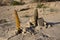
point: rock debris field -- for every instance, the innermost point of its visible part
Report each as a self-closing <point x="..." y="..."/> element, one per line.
<point x="51" y="14"/>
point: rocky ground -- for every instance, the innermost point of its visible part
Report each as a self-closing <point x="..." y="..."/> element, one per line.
<point x="51" y="14"/>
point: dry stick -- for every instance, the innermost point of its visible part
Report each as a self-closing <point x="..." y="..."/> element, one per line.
<point x="17" y="22"/>
<point x="17" y="25"/>
<point x="36" y="17"/>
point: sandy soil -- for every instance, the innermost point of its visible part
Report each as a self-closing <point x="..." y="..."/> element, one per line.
<point x="7" y="29"/>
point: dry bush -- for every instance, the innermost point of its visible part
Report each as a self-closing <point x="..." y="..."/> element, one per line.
<point x="41" y="6"/>
<point x="17" y="3"/>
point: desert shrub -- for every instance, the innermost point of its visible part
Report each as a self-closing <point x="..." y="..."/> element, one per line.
<point x="41" y="6"/>
<point x="17" y="3"/>
<point x="26" y="15"/>
<point x="44" y="0"/>
<point x="3" y="21"/>
<point x="36" y="0"/>
<point x="52" y="10"/>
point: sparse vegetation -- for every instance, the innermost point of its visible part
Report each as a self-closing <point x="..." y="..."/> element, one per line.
<point x="41" y="6"/>
<point x="3" y="21"/>
<point x="35" y="0"/>
<point x="17" y="3"/>
<point x="52" y="10"/>
<point x="26" y="15"/>
<point x="38" y="0"/>
<point x="35" y="21"/>
<point x="44" y="0"/>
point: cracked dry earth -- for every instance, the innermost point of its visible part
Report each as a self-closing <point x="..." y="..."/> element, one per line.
<point x="8" y="27"/>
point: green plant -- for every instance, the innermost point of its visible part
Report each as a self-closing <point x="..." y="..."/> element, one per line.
<point x="44" y="7"/>
<point x="36" y="0"/>
<point x="26" y="15"/>
<point x="17" y="3"/>
<point x="3" y="21"/>
<point x="52" y="10"/>
<point x="41" y="6"/>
